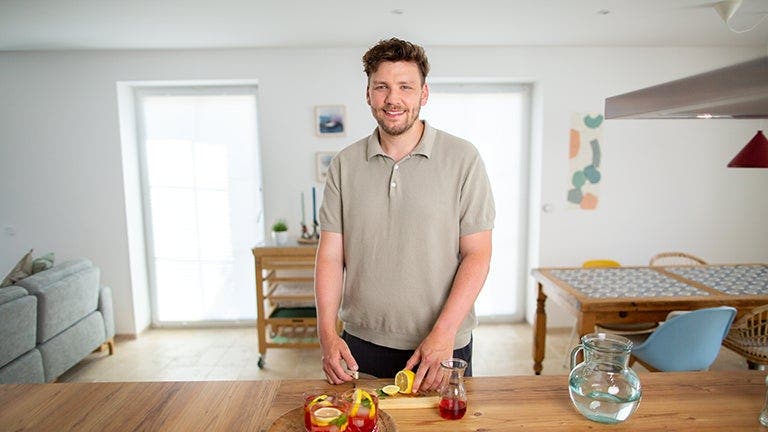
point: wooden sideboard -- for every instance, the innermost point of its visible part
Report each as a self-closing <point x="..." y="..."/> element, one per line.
<point x="285" y="312"/>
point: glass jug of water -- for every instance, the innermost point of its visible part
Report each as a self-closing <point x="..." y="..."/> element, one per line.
<point x="603" y="387"/>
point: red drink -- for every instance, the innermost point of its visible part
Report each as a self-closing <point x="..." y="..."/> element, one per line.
<point x="361" y="424"/>
<point x="452" y="409"/>
<point x="362" y="407"/>
<point x="310" y="400"/>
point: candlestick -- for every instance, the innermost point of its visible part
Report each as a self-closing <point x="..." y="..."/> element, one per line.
<point x="314" y="207"/>
<point x="303" y="221"/>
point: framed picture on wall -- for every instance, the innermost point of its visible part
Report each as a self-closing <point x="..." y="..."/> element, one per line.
<point x="322" y="162"/>
<point x="330" y="120"/>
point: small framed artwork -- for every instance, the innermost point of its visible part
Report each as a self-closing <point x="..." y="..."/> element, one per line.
<point x="322" y="162"/>
<point x="330" y="120"/>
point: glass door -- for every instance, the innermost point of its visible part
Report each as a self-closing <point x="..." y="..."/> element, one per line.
<point x="202" y="201"/>
<point x="495" y="118"/>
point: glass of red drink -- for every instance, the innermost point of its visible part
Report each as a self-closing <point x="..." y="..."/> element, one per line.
<point x="312" y="398"/>
<point x="362" y="407"/>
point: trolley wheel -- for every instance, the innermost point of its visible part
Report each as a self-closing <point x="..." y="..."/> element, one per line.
<point x="261" y="362"/>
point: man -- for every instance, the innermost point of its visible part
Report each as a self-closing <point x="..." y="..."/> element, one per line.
<point x="406" y="226"/>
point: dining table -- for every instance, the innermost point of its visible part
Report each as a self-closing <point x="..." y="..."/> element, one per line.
<point x="636" y="294"/>
<point x="701" y="401"/>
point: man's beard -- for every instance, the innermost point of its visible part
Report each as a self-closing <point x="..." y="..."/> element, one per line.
<point x="398" y="129"/>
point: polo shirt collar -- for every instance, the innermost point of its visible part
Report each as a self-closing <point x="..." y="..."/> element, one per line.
<point x="424" y="147"/>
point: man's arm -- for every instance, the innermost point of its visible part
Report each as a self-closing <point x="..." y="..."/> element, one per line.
<point x="475" y="250"/>
<point x="329" y="275"/>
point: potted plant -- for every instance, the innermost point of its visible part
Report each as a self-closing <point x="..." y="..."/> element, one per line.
<point x="280" y="232"/>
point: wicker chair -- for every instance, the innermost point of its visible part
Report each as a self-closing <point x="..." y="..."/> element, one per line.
<point x="748" y="337"/>
<point x="675" y="258"/>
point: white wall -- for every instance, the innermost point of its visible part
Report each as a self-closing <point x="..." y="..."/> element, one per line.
<point x="665" y="184"/>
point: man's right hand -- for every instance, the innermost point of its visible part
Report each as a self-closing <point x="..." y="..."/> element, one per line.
<point x="334" y="351"/>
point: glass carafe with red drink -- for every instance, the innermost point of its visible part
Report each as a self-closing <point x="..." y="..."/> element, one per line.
<point x="453" y="397"/>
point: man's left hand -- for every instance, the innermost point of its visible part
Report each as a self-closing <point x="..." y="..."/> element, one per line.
<point x="433" y="349"/>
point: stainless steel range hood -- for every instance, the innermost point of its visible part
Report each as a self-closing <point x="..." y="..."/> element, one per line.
<point x="738" y="92"/>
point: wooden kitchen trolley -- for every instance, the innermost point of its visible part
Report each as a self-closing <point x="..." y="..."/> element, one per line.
<point x="285" y="303"/>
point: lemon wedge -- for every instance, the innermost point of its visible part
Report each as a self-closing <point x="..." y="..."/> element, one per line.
<point x="404" y="380"/>
<point x="325" y="415"/>
<point x="357" y="399"/>
<point x="390" y="389"/>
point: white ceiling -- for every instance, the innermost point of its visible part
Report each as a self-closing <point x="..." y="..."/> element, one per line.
<point x="156" y="24"/>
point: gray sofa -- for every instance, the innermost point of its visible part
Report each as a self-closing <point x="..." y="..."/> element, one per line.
<point x="52" y="320"/>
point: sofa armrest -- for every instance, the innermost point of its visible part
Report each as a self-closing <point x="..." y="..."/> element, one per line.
<point x="11" y="293"/>
<point x="107" y="311"/>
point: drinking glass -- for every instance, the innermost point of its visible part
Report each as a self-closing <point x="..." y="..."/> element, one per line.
<point x="328" y="416"/>
<point x="362" y="406"/>
<point x="313" y="397"/>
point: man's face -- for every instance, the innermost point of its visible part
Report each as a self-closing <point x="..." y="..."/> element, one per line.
<point x="396" y="95"/>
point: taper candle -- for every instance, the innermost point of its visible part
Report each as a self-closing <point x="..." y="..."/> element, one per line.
<point x="303" y="221"/>
<point x="314" y="207"/>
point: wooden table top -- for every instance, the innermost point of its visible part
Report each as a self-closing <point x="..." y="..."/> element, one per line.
<point x="722" y="400"/>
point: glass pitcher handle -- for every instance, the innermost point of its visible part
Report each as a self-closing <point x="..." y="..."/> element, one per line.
<point x="574" y="353"/>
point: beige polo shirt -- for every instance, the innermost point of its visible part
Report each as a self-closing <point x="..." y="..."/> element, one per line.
<point x="401" y="223"/>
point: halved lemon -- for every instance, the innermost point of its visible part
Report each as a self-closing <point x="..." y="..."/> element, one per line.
<point x="404" y="380"/>
<point x="390" y="389"/>
<point x="325" y="415"/>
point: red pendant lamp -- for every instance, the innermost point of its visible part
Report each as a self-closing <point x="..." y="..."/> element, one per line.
<point x="753" y="155"/>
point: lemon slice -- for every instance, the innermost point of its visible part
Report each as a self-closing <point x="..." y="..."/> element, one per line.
<point x="404" y="380"/>
<point x="390" y="389"/>
<point x="371" y="405"/>
<point x="357" y="399"/>
<point x="325" y="415"/>
<point x="322" y="400"/>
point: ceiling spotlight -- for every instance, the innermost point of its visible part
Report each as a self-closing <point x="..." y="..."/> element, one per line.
<point x="603" y="12"/>
<point x="397" y="11"/>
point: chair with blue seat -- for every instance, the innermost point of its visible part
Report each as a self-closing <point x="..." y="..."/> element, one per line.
<point x="685" y="342"/>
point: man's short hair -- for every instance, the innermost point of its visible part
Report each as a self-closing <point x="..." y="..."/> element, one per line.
<point x="395" y="50"/>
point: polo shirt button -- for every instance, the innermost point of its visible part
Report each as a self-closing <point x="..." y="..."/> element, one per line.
<point x="397" y="166"/>
<point x="393" y="184"/>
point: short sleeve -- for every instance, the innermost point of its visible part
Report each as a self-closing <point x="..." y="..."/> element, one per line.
<point x="330" y="210"/>
<point x="478" y="210"/>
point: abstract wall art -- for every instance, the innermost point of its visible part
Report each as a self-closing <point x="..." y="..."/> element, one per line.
<point x="585" y="153"/>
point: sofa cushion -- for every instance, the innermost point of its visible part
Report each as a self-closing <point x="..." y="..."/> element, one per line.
<point x="65" y="294"/>
<point x="45" y="278"/>
<point x="25" y="369"/>
<point x="20" y="271"/>
<point x="18" y="319"/>
<point x="72" y="345"/>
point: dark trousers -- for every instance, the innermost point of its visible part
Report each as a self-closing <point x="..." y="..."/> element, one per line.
<point x="385" y="362"/>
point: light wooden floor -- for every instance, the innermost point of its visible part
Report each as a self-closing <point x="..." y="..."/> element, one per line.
<point x="231" y="354"/>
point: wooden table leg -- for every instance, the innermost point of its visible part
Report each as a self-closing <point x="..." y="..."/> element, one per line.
<point x="539" y="331"/>
<point x="586" y="323"/>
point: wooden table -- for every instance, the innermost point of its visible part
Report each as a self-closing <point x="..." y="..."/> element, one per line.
<point x="642" y="294"/>
<point x="671" y="401"/>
